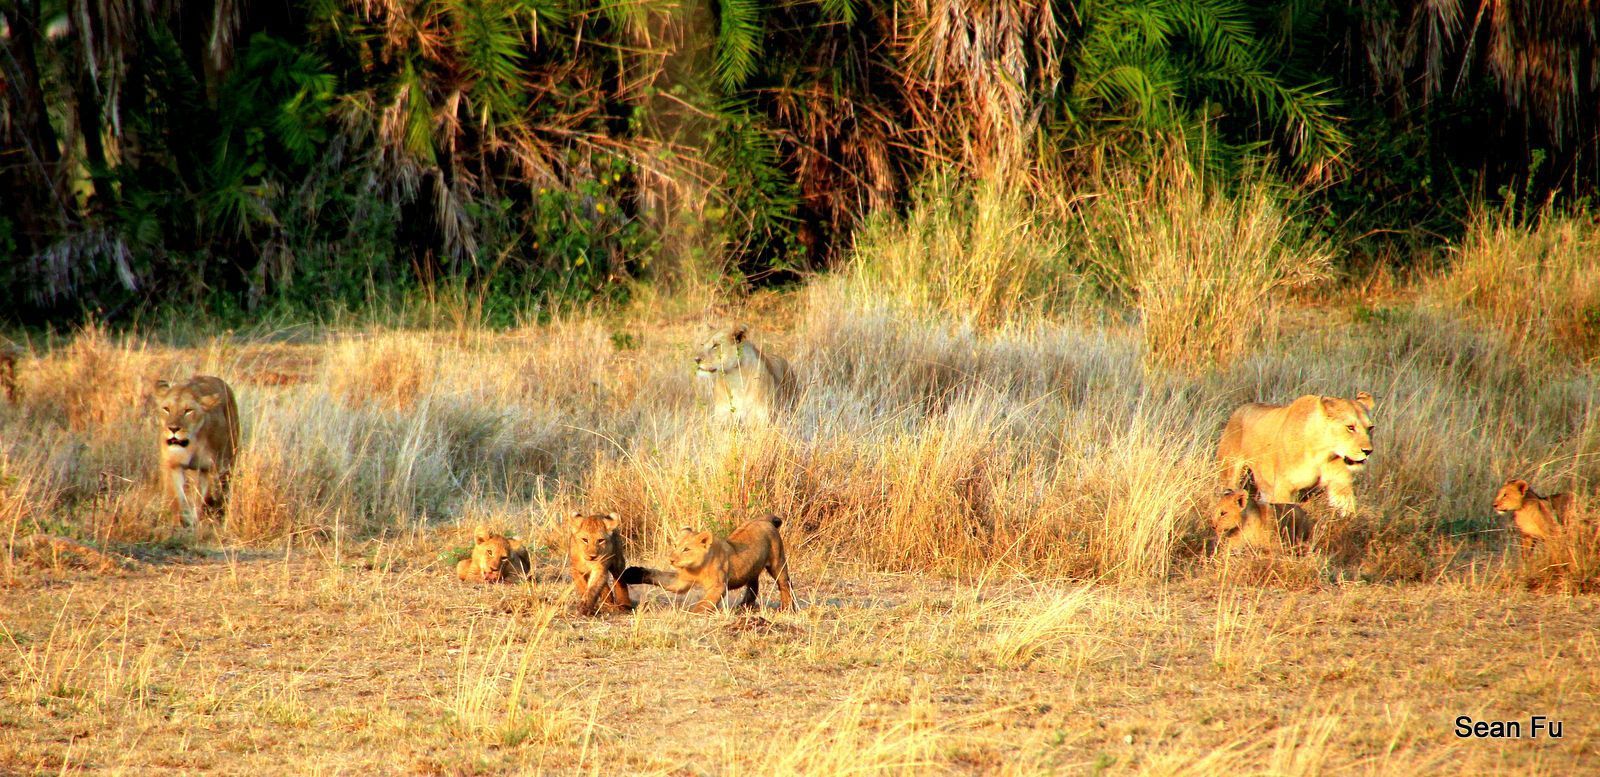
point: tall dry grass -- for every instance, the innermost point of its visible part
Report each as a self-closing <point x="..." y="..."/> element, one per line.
<point x="924" y="441"/>
<point x="1536" y="279"/>
<point x="1206" y="267"/>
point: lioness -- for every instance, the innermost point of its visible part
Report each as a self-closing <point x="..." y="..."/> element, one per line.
<point x="1241" y="522"/>
<point x="200" y="434"/>
<point x="746" y="384"/>
<point x="495" y="558"/>
<point x="1289" y="449"/>
<point x="718" y="566"/>
<point x="1537" y="518"/>
<point x="595" y="550"/>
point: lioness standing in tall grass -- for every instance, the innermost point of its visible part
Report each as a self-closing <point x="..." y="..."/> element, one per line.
<point x="200" y="435"/>
<point x="1289" y="449"/>
<point x="746" y="384"/>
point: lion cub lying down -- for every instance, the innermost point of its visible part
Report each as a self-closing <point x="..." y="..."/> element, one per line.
<point x="594" y="549"/>
<point x="1537" y="518"/>
<point x="1241" y="522"/>
<point x="720" y="565"/>
<point x="495" y="559"/>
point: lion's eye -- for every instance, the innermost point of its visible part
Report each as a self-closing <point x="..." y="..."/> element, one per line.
<point x="166" y="409"/>
<point x="1351" y="427"/>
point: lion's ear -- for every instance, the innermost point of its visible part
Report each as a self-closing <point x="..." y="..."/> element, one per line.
<point x="480" y="534"/>
<point x="612" y="522"/>
<point x="209" y="402"/>
<point x="1364" y="399"/>
<point x="704" y="539"/>
<point x="1520" y="485"/>
<point x="739" y="332"/>
<point x="160" y="388"/>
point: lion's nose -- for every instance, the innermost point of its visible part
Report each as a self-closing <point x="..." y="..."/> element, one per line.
<point x="697" y="359"/>
<point x="174" y="429"/>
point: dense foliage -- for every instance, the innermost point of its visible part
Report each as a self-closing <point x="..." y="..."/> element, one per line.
<point x="329" y="150"/>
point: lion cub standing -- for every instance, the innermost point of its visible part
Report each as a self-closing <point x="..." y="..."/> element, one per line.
<point x="200" y="434"/>
<point x="746" y="384"/>
<point x="1537" y="518"/>
<point x="720" y="565"/>
<point x="1288" y="449"/>
<point x="594" y="549"/>
<point x="495" y="558"/>
<point x="1241" y="522"/>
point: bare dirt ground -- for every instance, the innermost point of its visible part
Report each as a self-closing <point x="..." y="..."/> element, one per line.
<point x="374" y="659"/>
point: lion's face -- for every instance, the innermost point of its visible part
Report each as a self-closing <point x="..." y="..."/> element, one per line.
<point x="593" y="537"/>
<point x="182" y="413"/>
<point x="1511" y="496"/>
<point x="491" y="555"/>
<point x="721" y="353"/>
<point x="1349" y="429"/>
<point x="1229" y="515"/>
<point x="691" y="549"/>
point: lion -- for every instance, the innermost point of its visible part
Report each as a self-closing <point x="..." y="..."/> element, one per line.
<point x="596" y="553"/>
<point x="1241" y="522"/>
<point x="1537" y="518"/>
<point x="495" y="559"/>
<point x="721" y="565"/>
<point x="1290" y="449"/>
<point x="200" y="428"/>
<point x="746" y="384"/>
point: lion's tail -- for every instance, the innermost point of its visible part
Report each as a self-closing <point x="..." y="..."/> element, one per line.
<point x="645" y="576"/>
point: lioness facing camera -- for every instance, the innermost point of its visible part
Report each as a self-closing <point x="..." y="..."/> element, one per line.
<point x="199" y="437"/>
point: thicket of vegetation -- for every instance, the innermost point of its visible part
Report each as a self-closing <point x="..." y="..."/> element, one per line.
<point x="325" y="151"/>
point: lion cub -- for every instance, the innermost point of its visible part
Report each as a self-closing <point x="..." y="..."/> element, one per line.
<point x="199" y="436"/>
<point x="1537" y="518"/>
<point x="746" y="384"/>
<point x="1241" y="522"/>
<point x="595" y="550"/>
<point x="721" y="565"/>
<point x="495" y="559"/>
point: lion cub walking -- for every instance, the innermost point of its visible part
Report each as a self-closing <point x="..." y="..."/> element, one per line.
<point x="1537" y="518"/>
<point x="200" y="434"/>
<point x="720" y="565"/>
<point x="495" y="558"/>
<point x="1241" y="522"/>
<point x="746" y="384"/>
<point x="595" y="551"/>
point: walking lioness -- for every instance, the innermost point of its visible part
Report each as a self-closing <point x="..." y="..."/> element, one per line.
<point x="199" y="436"/>
<point x="1289" y="449"/>
<point x="746" y="384"/>
<point x="720" y="565"/>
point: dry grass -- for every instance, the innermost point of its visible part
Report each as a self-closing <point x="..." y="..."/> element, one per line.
<point x="996" y="530"/>
<point x="1535" y="280"/>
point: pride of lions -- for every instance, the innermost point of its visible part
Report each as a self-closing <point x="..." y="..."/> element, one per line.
<point x="1271" y="458"/>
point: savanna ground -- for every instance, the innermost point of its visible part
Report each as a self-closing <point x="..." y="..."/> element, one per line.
<point x="996" y="525"/>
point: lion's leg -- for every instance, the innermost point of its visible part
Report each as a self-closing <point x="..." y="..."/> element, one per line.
<point x="186" y="509"/>
<point x="619" y="596"/>
<point x="594" y="586"/>
<point x="713" y="597"/>
<point x="752" y="594"/>
<point x="780" y="572"/>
